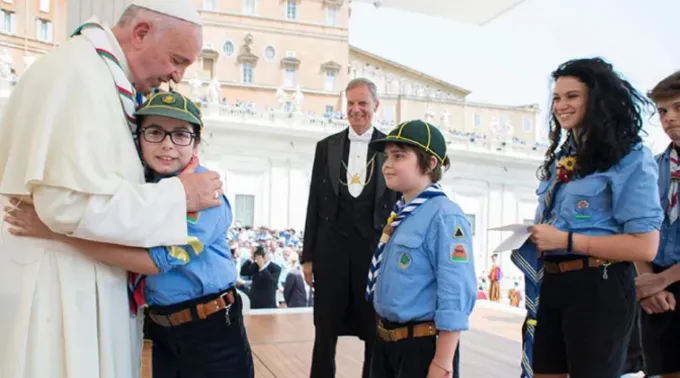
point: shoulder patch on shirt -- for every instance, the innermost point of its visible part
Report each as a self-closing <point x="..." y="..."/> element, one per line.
<point x="458" y="253"/>
<point x="404" y="260"/>
<point x="458" y="233"/>
<point x="192" y="218"/>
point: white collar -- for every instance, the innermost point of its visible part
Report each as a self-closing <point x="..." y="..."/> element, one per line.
<point x="365" y="137"/>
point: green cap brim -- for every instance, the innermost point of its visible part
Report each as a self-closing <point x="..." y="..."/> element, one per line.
<point x="169" y="112"/>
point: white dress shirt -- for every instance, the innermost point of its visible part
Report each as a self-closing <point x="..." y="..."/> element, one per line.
<point x="356" y="161"/>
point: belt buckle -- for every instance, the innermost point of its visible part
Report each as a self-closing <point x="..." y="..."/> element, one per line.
<point x="161" y="320"/>
<point x="385" y="334"/>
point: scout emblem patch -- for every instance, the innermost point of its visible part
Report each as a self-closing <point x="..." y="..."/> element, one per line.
<point x="581" y="207"/>
<point x="458" y="233"/>
<point x="169" y="99"/>
<point x="192" y="218"/>
<point x="459" y="254"/>
<point x="404" y="261"/>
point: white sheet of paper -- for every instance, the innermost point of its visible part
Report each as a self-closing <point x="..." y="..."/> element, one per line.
<point x="520" y="234"/>
<point x="511" y="227"/>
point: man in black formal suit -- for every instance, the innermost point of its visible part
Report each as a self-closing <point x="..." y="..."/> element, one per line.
<point x="265" y="279"/>
<point x="347" y="209"/>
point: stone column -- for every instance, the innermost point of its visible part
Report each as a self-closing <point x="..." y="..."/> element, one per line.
<point x="108" y="11"/>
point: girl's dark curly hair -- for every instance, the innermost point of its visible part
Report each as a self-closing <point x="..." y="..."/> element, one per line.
<point x="612" y="122"/>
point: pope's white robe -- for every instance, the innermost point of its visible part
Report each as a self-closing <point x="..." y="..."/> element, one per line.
<point x="64" y="139"/>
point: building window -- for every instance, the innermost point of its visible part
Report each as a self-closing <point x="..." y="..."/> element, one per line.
<point x="9" y="22"/>
<point x="289" y="77"/>
<point x="329" y="85"/>
<point x="527" y="124"/>
<point x="504" y="121"/>
<point x="208" y="68"/>
<point x="291" y="10"/>
<point x="209" y="5"/>
<point x="331" y="16"/>
<point x="269" y="53"/>
<point x="45" y="6"/>
<point x="472" y="219"/>
<point x="249" y="7"/>
<point x="43" y="30"/>
<point x="244" y="209"/>
<point x="478" y="121"/>
<point x="247" y="73"/>
<point x="228" y="48"/>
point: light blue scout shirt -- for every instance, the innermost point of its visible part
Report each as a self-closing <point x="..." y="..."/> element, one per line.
<point x="622" y="200"/>
<point x="427" y="271"/>
<point x="669" y="249"/>
<point x="203" y="266"/>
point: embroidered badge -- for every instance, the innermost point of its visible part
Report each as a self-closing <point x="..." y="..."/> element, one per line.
<point x="582" y="204"/>
<point x="404" y="261"/>
<point x="192" y="218"/>
<point x="459" y="254"/>
<point x="458" y="233"/>
<point x="169" y="99"/>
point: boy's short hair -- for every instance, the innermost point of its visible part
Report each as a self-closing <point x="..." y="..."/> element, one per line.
<point x="424" y="162"/>
<point x="425" y="140"/>
<point x="666" y="89"/>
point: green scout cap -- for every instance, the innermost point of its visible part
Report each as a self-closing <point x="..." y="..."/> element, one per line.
<point x="172" y="105"/>
<point x="416" y="133"/>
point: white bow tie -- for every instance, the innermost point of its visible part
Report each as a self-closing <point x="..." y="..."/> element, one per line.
<point x="366" y="137"/>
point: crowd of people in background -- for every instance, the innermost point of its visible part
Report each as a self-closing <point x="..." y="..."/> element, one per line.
<point x="268" y="263"/>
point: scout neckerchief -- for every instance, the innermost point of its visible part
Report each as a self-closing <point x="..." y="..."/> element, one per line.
<point x="400" y="212"/>
<point x="672" y="208"/>
<point x="94" y="32"/>
<point x="531" y="266"/>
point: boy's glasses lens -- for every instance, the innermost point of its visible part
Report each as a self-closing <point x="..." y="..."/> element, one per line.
<point x="158" y="135"/>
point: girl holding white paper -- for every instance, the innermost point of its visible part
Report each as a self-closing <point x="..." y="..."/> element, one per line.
<point x="598" y="210"/>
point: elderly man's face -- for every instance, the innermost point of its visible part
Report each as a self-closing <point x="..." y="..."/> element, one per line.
<point x="360" y="108"/>
<point x="162" y="55"/>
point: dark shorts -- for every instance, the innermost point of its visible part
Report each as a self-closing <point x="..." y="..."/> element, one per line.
<point x="407" y="358"/>
<point x="216" y="346"/>
<point x="585" y="322"/>
<point x="661" y="338"/>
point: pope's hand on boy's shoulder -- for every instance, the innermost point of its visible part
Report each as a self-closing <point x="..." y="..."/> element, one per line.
<point x="203" y="190"/>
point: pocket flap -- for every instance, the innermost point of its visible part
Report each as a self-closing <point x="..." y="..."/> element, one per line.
<point x="409" y="241"/>
<point x="588" y="187"/>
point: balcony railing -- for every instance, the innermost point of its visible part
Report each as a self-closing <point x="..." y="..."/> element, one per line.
<point x="244" y="115"/>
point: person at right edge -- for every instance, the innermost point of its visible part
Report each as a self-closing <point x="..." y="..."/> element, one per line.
<point x="422" y="280"/>
<point x="658" y="285"/>
<point x="598" y="211"/>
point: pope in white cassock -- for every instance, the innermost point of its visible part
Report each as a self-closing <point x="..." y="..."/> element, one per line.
<point x="66" y="144"/>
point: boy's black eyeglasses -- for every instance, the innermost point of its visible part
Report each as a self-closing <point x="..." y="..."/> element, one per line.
<point x="155" y="134"/>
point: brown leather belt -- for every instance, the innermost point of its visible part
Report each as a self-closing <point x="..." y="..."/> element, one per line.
<point x="397" y="334"/>
<point x="203" y="310"/>
<point x="573" y="265"/>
